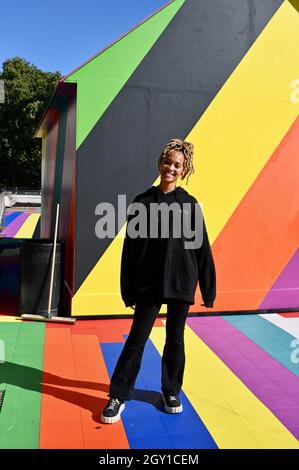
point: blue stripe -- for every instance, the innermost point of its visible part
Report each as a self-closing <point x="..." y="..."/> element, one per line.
<point x="274" y="340"/>
<point x="8" y="219"/>
<point x="146" y="423"/>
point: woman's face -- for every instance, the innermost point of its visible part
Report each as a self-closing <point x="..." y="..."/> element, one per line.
<point x="172" y="166"/>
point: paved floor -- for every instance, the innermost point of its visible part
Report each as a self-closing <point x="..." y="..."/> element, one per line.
<point x="240" y="389"/>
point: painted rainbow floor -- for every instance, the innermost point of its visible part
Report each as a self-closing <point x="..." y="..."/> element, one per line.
<point x="240" y="389"/>
<point x="20" y="223"/>
<point x="241" y="386"/>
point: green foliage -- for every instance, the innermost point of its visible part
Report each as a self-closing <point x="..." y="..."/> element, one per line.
<point x="27" y="93"/>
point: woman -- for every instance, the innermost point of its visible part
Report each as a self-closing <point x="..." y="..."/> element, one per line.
<point x="157" y="270"/>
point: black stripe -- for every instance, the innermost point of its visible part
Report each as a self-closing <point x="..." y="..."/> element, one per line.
<point x="164" y="98"/>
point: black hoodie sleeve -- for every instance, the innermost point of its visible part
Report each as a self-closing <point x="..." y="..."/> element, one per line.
<point x="128" y="267"/>
<point x="206" y="269"/>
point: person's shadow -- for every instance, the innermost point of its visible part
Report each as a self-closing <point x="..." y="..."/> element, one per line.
<point x="37" y="380"/>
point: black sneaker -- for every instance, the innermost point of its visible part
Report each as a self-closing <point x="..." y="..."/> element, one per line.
<point x="112" y="411"/>
<point x="172" y="403"/>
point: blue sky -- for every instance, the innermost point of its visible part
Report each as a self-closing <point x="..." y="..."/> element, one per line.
<point x="62" y="34"/>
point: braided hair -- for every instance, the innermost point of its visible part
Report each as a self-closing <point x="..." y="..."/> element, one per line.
<point x="187" y="148"/>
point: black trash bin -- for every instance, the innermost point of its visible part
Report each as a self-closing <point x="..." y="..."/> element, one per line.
<point x="35" y="277"/>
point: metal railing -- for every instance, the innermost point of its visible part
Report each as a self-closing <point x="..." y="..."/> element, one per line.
<point x="18" y="197"/>
<point x="20" y="190"/>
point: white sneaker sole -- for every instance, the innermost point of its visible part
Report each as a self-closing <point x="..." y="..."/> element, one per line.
<point x="171" y="409"/>
<point x="113" y="419"/>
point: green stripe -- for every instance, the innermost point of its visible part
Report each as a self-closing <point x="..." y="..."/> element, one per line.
<point x="99" y="81"/>
<point x="21" y="377"/>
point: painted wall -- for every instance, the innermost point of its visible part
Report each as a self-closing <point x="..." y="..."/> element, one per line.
<point x="222" y="75"/>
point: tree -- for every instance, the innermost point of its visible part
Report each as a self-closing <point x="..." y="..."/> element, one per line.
<point x="27" y="93"/>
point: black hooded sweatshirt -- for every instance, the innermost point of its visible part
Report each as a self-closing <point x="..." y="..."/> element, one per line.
<point x="162" y="268"/>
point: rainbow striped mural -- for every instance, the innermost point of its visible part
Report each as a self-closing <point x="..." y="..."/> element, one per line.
<point x="223" y="75"/>
<point x="240" y="386"/>
<point x="240" y="390"/>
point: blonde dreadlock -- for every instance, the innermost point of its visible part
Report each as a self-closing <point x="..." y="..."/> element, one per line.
<point x="187" y="148"/>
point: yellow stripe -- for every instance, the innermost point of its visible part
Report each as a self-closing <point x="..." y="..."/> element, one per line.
<point x="231" y="412"/>
<point x="103" y="298"/>
<point x="247" y="119"/>
<point x="6" y="318"/>
<point x="28" y="227"/>
<point x="233" y="140"/>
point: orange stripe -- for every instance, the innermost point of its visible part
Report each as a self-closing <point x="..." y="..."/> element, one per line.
<point x="60" y="424"/>
<point x="107" y="331"/>
<point x="91" y="373"/>
<point x="262" y="234"/>
<point x="75" y="387"/>
<point x="104" y="329"/>
<point x="290" y="315"/>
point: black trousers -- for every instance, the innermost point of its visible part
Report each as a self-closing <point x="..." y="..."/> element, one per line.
<point x="173" y="359"/>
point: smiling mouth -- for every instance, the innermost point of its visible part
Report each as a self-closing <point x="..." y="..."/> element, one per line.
<point x="169" y="174"/>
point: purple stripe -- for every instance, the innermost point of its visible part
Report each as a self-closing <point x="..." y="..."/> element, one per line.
<point x="285" y="290"/>
<point x="254" y="367"/>
<point x="15" y="226"/>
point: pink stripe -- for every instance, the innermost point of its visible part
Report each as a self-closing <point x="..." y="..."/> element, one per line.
<point x="254" y="367"/>
<point x="285" y="290"/>
<point x="13" y="228"/>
